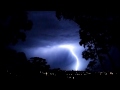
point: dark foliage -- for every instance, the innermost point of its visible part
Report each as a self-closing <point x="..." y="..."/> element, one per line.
<point x="12" y="26"/>
<point x="99" y="31"/>
<point x="15" y="65"/>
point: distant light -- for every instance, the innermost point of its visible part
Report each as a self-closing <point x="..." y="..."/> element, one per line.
<point x="105" y="73"/>
<point x="111" y="73"/>
<point x="46" y="73"/>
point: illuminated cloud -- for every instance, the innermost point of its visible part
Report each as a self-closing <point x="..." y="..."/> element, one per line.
<point x="45" y="37"/>
<point x="71" y="48"/>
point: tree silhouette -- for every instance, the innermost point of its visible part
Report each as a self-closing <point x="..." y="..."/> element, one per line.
<point x="93" y="66"/>
<point x="12" y="26"/>
<point x="39" y="64"/>
<point x="56" y="69"/>
<point x="14" y="64"/>
<point x="96" y="33"/>
<point x="17" y="66"/>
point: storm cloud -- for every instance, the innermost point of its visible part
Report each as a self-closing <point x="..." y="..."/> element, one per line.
<point x="48" y="32"/>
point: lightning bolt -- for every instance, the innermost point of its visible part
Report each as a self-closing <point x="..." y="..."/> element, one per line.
<point x="71" y="50"/>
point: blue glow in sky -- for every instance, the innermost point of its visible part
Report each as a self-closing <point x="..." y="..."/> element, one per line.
<point x="47" y="34"/>
<point x="71" y="49"/>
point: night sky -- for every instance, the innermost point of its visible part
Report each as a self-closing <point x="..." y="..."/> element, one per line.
<point x="46" y="37"/>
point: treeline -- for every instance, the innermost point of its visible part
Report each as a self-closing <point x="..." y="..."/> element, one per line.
<point x="99" y="35"/>
<point x="15" y="65"/>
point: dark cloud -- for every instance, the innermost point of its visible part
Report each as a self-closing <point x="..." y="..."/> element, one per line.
<point x="48" y="31"/>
